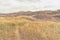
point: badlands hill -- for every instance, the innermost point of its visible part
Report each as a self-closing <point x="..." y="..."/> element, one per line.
<point x="37" y="15"/>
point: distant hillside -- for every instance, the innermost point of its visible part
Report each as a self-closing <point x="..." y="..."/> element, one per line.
<point x="38" y="15"/>
<point x="30" y="13"/>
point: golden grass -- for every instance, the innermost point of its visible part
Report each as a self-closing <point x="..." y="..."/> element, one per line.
<point x="19" y="28"/>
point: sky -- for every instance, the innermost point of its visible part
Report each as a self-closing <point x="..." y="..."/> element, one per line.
<point x="7" y="6"/>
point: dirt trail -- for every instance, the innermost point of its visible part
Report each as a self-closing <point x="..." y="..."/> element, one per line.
<point x="17" y="33"/>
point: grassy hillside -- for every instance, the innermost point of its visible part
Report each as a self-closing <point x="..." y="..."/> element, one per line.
<point x="28" y="28"/>
<point x="40" y="25"/>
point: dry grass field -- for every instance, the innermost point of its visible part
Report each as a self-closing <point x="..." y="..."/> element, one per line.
<point x="36" y="26"/>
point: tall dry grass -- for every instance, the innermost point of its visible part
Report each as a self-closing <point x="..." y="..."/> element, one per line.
<point x="21" y="29"/>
